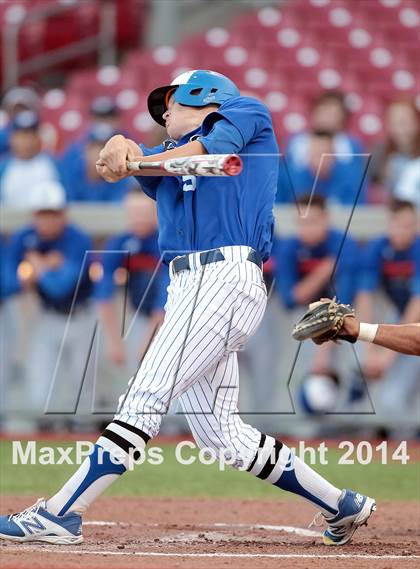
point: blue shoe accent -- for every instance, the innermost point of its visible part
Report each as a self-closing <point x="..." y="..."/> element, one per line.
<point x="8" y="527"/>
<point x="289" y="482"/>
<point x="354" y="510"/>
<point x="37" y="524"/>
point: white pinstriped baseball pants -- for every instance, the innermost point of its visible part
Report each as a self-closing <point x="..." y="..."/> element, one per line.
<point x="211" y="312"/>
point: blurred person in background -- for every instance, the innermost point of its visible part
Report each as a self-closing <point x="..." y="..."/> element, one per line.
<point x="26" y="164"/>
<point x="324" y="159"/>
<point x="263" y="358"/>
<point x="7" y="331"/>
<point x="103" y="110"/>
<point x="48" y="258"/>
<point x="408" y="186"/>
<point x="391" y="265"/>
<point x="318" y="261"/>
<point x="81" y="180"/>
<point x="396" y="161"/>
<point x="132" y="260"/>
<point x="305" y="262"/>
<point x="14" y="101"/>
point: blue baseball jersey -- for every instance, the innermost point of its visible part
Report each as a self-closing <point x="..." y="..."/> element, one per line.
<point x="140" y="257"/>
<point x="294" y="260"/>
<point x="7" y="282"/>
<point x="56" y="287"/>
<point x="395" y="272"/>
<point x="4" y="138"/>
<point x="201" y="213"/>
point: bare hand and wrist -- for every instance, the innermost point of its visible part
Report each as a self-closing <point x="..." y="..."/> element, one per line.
<point x="112" y="163"/>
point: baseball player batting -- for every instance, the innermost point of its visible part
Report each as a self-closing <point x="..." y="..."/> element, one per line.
<point x="214" y="232"/>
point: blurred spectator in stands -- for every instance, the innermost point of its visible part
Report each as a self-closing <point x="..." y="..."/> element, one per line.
<point x="130" y="260"/>
<point x="81" y="180"/>
<point x="306" y="263"/>
<point x="395" y="162"/>
<point x="26" y="164"/>
<point x="102" y="110"/>
<point x="408" y="186"/>
<point x="16" y="100"/>
<point x="7" y="288"/>
<point x="259" y="363"/>
<point x="318" y="261"/>
<point x="48" y="258"/>
<point x="7" y="281"/>
<point x="391" y="265"/>
<point x="324" y="159"/>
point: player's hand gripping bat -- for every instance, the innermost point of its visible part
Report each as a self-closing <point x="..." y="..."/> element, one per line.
<point x="201" y="165"/>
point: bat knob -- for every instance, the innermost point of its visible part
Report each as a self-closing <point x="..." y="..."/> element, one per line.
<point x="232" y="166"/>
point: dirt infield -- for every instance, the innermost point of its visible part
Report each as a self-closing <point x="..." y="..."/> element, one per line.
<point x="200" y="533"/>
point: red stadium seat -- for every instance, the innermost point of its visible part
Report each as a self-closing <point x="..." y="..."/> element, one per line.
<point x="367" y="121"/>
<point x="66" y="116"/>
<point x="285" y="55"/>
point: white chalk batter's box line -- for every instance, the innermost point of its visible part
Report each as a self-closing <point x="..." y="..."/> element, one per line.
<point x="220" y="525"/>
<point x="102" y="553"/>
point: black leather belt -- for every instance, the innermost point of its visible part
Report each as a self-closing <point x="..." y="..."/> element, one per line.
<point x="212" y="256"/>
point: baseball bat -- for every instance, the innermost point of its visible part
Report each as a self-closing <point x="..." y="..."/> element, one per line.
<point x="201" y="165"/>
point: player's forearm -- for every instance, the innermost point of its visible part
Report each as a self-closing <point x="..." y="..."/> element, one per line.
<point x="403" y="338"/>
<point x="113" y="158"/>
<point x="400" y="338"/>
<point x="109" y="320"/>
<point x="193" y="148"/>
<point x="310" y="287"/>
<point x="154" y="323"/>
<point x="363" y="305"/>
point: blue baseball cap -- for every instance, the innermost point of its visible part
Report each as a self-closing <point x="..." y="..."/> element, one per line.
<point x="101" y="132"/>
<point x="25" y="120"/>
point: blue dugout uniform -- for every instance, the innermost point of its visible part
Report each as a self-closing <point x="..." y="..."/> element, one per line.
<point x="342" y="184"/>
<point x="56" y="287"/>
<point x="395" y="272"/>
<point x="4" y="138"/>
<point x="294" y="261"/>
<point x="140" y="257"/>
<point x="201" y="213"/>
<point x="79" y="188"/>
<point x="7" y="282"/>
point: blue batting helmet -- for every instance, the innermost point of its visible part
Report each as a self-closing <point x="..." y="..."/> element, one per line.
<point x="196" y="88"/>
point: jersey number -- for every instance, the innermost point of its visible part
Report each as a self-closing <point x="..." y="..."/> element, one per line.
<point x="190" y="183"/>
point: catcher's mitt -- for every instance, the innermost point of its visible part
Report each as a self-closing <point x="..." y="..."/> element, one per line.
<point x="323" y="322"/>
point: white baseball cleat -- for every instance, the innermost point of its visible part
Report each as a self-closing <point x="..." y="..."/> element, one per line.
<point x="354" y="510"/>
<point x="37" y="524"/>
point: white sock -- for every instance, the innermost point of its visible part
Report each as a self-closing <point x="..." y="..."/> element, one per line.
<point x="109" y="459"/>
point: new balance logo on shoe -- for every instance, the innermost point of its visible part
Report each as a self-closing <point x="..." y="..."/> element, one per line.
<point x="34" y="523"/>
<point x="358" y="498"/>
